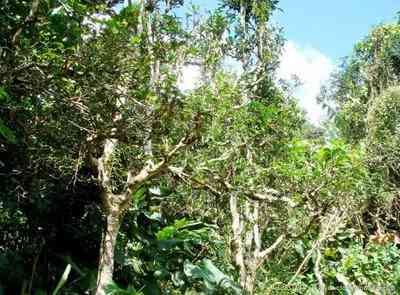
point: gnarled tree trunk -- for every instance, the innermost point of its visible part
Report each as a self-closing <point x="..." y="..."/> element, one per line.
<point x="247" y="251"/>
<point x="107" y="248"/>
<point x="249" y="281"/>
<point x="114" y="205"/>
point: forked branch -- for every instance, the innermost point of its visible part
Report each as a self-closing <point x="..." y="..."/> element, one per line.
<point x="134" y="181"/>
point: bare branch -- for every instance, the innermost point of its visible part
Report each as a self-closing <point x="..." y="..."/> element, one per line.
<point x="80" y="127"/>
<point x="188" y="179"/>
<point x="180" y="145"/>
<point x="237" y="228"/>
<point x="150" y="170"/>
<point x="30" y="18"/>
<point x="270" y="196"/>
<point x="270" y="249"/>
<point x="327" y="230"/>
<point x="318" y="274"/>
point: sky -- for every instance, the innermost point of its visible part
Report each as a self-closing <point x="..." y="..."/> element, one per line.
<point x="318" y="33"/>
<point x="333" y="26"/>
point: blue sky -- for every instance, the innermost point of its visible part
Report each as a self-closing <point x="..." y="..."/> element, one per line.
<point x="319" y="34"/>
<point x="333" y="26"/>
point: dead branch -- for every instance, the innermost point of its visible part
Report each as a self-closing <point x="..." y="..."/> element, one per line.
<point x="328" y="230"/>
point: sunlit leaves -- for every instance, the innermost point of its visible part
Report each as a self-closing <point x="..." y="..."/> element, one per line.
<point x="366" y="73"/>
<point x="383" y="138"/>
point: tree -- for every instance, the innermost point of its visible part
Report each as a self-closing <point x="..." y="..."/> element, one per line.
<point x="247" y="125"/>
<point x="132" y="121"/>
<point x="107" y="89"/>
<point x="178" y="191"/>
<point x="369" y="71"/>
<point x="363" y="97"/>
<point x="383" y="134"/>
<point x="36" y="40"/>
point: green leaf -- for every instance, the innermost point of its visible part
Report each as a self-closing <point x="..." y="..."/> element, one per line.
<point x="114" y="289"/>
<point x="166" y="233"/>
<point x="63" y="279"/>
<point x="7" y="133"/>
<point x="212" y="277"/>
<point x="138" y="196"/>
<point x="3" y="95"/>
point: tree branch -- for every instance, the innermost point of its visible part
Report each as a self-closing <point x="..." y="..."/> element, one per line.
<point x="103" y="164"/>
<point x="188" y="179"/>
<point x="329" y="230"/>
<point x="150" y="170"/>
<point x="30" y="18"/>
<point x="237" y="243"/>
<point x="318" y="274"/>
<point x="269" y="250"/>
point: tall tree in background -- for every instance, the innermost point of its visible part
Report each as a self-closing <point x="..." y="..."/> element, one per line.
<point x="372" y="67"/>
<point x="364" y="88"/>
<point x="383" y="134"/>
<point x="365" y="101"/>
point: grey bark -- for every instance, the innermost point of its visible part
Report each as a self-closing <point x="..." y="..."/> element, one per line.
<point x="106" y="257"/>
<point x="114" y="205"/>
<point x="247" y="253"/>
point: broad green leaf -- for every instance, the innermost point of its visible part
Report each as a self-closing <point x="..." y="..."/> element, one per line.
<point x="62" y="280"/>
<point x="212" y="277"/>
<point x="7" y="133"/>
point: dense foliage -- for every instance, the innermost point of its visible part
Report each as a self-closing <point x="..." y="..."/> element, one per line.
<point x="117" y="180"/>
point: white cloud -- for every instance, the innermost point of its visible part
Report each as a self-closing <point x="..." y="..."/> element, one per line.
<point x="312" y="68"/>
<point x="189" y="78"/>
<point x="232" y="65"/>
<point x="96" y="24"/>
<point x="310" y="65"/>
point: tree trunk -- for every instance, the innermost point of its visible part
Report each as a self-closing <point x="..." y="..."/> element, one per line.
<point x="249" y="283"/>
<point x="247" y="253"/>
<point x="107" y="248"/>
